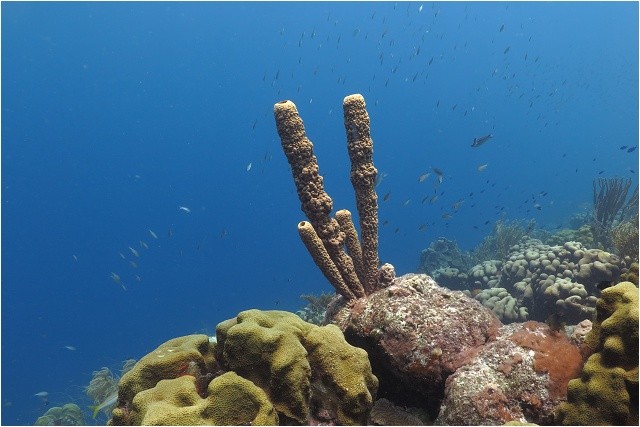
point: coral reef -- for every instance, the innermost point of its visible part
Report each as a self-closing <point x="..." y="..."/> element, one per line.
<point x="555" y="279"/>
<point x="610" y="204"/>
<point x="67" y="415"/>
<point x="355" y="274"/>
<point x="521" y="376"/>
<point x="314" y="312"/>
<point x="624" y="238"/>
<point x="443" y="253"/>
<point x="505" y="234"/>
<point x="607" y="390"/>
<point x="583" y="235"/>
<point x="415" y="332"/>
<point x="267" y="367"/>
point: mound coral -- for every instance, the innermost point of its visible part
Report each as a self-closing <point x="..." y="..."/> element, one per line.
<point x="267" y="367"/>
<point x="607" y="390"/>
<point x="67" y="415"/>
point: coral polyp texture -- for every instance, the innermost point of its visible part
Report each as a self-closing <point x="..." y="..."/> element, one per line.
<point x="358" y="270"/>
<point x="607" y="390"/>
<point x="266" y="368"/>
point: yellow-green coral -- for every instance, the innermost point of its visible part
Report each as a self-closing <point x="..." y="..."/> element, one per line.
<point x="305" y="369"/>
<point x="609" y="381"/>
<point x="230" y="400"/>
<point x="267" y="367"/>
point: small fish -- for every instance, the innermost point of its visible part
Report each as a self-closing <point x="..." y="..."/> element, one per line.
<point x="184" y="208"/>
<point x="70" y="347"/>
<point x="386" y="197"/>
<point x="44" y="396"/>
<point x="420" y="9"/>
<point x="154" y="235"/>
<point x="555" y="322"/>
<point x="144" y="245"/>
<point x="439" y="174"/>
<point x="477" y="142"/>
<point x="482" y="168"/>
<point x="134" y="252"/>
<point x="457" y="205"/>
<point x="433" y="199"/>
<point x="422" y="227"/>
<point x="624" y="147"/>
<point x="632" y="149"/>
<point x="133" y="264"/>
<point x="380" y="177"/>
<point x="109" y="400"/>
<point x="446" y="215"/>
<point x="537" y="206"/>
<point x="406" y="202"/>
<point x="502" y="28"/>
<point x="424" y="177"/>
<point x="121" y="255"/>
<point x="249" y="166"/>
<point x="117" y="280"/>
<point x="75" y="258"/>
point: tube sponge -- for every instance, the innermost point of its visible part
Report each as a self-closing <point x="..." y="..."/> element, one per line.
<point x="316" y="203"/>
<point x="363" y="178"/>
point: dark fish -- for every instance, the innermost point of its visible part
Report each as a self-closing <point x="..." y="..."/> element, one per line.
<point x="506" y="50"/>
<point x="604" y="284"/>
<point x="555" y="322"/>
<point x="386" y="197"/>
<point x="624" y="147"/>
<point x="481" y="140"/>
<point x="631" y="150"/>
<point x="502" y="28"/>
<point x="600" y="173"/>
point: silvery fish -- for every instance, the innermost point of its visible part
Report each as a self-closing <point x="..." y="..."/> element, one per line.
<point x="477" y="142"/>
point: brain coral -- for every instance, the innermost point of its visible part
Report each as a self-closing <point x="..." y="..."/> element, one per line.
<point x="267" y="367"/>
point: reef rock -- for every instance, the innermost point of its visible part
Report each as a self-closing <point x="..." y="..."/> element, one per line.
<point x="519" y="377"/>
<point x="416" y="334"/>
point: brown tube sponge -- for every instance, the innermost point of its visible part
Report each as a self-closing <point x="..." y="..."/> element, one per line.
<point x="343" y="217"/>
<point x="316" y="203"/>
<point x="322" y="259"/>
<point x="363" y="178"/>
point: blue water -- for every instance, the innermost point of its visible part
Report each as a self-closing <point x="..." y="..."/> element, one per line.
<point x="116" y="114"/>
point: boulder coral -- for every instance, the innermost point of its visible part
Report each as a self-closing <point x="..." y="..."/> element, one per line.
<point x="607" y="390"/>
<point x="265" y="368"/>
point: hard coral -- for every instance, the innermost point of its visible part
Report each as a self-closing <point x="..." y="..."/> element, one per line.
<point x="266" y="368"/>
<point x="607" y="391"/>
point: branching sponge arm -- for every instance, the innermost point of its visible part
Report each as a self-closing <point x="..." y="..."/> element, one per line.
<point x="316" y="203"/>
<point x="363" y="178"/>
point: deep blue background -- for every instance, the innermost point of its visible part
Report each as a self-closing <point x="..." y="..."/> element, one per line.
<point x="115" y="114"/>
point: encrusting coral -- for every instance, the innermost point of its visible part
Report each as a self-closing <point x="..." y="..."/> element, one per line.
<point x="356" y="274"/>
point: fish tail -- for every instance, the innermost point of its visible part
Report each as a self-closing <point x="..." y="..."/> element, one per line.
<point x="95" y="410"/>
